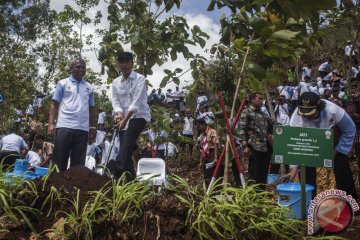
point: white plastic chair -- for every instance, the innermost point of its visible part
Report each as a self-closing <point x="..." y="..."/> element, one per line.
<point x="152" y="170"/>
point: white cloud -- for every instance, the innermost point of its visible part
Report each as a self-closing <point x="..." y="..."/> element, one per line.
<point x="205" y="23"/>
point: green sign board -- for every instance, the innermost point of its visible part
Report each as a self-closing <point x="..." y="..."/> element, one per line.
<point x="311" y="147"/>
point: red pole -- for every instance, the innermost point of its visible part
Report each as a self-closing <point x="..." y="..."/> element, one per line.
<point x="223" y="151"/>
<point x="217" y="169"/>
<point x="237" y="162"/>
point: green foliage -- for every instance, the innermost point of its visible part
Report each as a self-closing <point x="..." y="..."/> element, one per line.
<point x="233" y="213"/>
<point x="153" y="41"/>
<point x="14" y="195"/>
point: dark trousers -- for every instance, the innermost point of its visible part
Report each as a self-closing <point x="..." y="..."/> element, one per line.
<point x="343" y="175"/>
<point x="8" y="160"/>
<point x="259" y="166"/>
<point x="70" y="142"/>
<point x="128" y="140"/>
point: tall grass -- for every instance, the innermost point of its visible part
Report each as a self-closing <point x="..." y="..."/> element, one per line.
<point x="234" y="213"/>
<point x="17" y="199"/>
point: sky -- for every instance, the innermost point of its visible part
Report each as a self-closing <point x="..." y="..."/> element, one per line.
<point x="194" y="11"/>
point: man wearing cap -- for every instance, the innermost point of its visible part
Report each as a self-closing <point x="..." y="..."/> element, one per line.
<point x="73" y="104"/>
<point x="129" y="101"/>
<point x="314" y="112"/>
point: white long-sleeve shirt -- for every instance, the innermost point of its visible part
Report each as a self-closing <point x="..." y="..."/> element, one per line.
<point x="130" y="95"/>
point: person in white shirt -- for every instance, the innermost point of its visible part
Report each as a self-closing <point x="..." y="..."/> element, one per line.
<point x="188" y="131"/>
<point x="282" y="112"/>
<point x="158" y="141"/>
<point x="314" y="87"/>
<point x="201" y="100"/>
<point x="11" y="145"/>
<point x="347" y="50"/>
<point x="101" y="117"/>
<point x="284" y="90"/>
<point x="306" y="71"/>
<point x="304" y="86"/>
<point x="177" y="95"/>
<point x="325" y="68"/>
<point x="108" y="156"/>
<point x="169" y="98"/>
<point x="129" y="101"/>
<point x="34" y="158"/>
<point x="74" y="106"/>
<point x="207" y="115"/>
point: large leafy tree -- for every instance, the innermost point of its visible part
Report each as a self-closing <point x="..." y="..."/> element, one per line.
<point x="154" y="40"/>
<point x="22" y="24"/>
<point x="265" y="33"/>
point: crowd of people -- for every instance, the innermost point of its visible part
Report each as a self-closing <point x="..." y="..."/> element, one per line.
<point x="307" y="98"/>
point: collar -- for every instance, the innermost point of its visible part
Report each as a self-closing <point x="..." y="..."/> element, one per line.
<point x="74" y="80"/>
<point x="131" y="76"/>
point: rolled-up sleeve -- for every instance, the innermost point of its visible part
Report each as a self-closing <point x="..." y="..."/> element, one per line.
<point x="347" y="134"/>
<point x="115" y="101"/>
<point x="141" y="92"/>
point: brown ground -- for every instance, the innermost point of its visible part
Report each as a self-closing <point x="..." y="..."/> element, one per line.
<point x="163" y="218"/>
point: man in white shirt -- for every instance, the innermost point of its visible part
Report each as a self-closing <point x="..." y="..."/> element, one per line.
<point x="306" y="71"/>
<point x="11" y="145"/>
<point x="316" y="113"/>
<point x="129" y="101"/>
<point x="304" y="86"/>
<point x="201" y="100"/>
<point x="325" y="68"/>
<point x="73" y="103"/>
<point x="169" y="98"/>
<point x="101" y="117"/>
<point x="314" y="87"/>
<point x="188" y="131"/>
<point x="177" y="95"/>
<point x="282" y="112"/>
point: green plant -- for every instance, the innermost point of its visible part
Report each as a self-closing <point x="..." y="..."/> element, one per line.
<point x="127" y="199"/>
<point x="17" y="198"/>
<point x="233" y="213"/>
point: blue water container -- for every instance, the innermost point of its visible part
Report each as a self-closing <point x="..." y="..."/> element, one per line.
<point x="290" y="196"/>
<point x="272" y="178"/>
<point x="21" y="166"/>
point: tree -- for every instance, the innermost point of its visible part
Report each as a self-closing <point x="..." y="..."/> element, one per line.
<point x="267" y="32"/>
<point x="22" y="24"/>
<point x="153" y="41"/>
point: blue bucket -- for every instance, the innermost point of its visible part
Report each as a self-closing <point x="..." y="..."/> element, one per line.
<point x="272" y="178"/>
<point x="41" y="171"/>
<point x="290" y="196"/>
<point x="21" y="166"/>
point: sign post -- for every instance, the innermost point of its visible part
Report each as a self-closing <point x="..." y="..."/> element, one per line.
<point x="305" y="147"/>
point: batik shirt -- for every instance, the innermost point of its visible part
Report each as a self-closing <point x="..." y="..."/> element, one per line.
<point x="254" y="128"/>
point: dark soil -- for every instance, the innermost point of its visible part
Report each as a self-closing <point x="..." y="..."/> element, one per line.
<point x="162" y="218"/>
